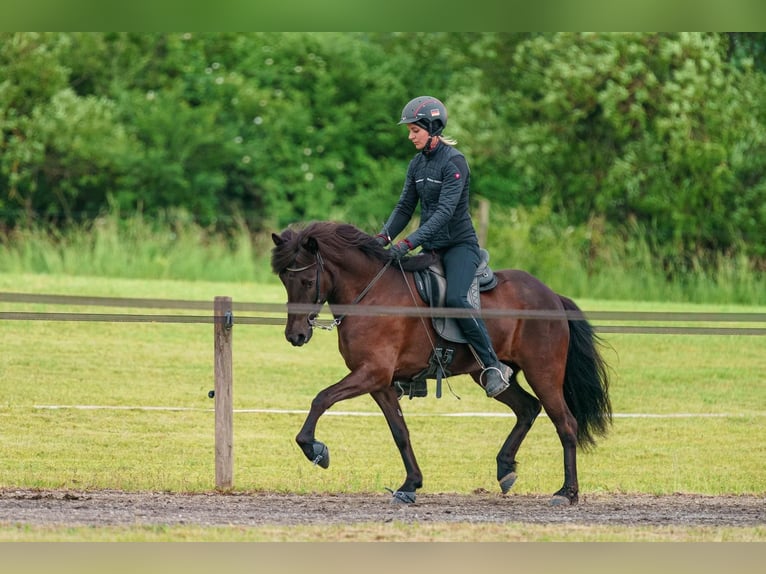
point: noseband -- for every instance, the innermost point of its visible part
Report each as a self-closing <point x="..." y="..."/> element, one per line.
<point x="319" y="264"/>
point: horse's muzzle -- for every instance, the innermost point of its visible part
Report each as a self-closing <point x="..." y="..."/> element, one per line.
<point x="298" y="333"/>
<point x="299" y="339"/>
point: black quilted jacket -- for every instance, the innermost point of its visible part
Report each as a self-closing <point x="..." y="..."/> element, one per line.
<point x="440" y="181"/>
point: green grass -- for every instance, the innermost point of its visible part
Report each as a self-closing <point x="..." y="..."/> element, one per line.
<point x="142" y="365"/>
<point x="618" y="262"/>
<point x="592" y="260"/>
<point x="169" y="247"/>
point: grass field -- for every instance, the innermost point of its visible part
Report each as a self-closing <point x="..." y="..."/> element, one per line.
<point x="689" y="409"/>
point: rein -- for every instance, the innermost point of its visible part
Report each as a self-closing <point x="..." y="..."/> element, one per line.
<point x="319" y="263"/>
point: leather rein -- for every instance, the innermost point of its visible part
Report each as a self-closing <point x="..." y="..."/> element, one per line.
<point x="319" y="264"/>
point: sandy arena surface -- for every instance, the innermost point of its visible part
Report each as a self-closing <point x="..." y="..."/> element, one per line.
<point x="102" y="508"/>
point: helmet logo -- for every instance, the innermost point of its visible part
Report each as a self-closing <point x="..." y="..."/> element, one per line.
<point x="435" y="113"/>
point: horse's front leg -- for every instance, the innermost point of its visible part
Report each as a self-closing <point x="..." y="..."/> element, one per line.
<point x="388" y="402"/>
<point x="354" y="384"/>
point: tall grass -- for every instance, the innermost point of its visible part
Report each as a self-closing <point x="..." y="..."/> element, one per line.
<point x="170" y="247"/>
<point x="617" y="263"/>
<point x="593" y="261"/>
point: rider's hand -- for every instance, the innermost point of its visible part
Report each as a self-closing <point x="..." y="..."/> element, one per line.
<point x="399" y="250"/>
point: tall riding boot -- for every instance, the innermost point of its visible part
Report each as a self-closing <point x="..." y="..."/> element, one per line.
<point x="495" y="375"/>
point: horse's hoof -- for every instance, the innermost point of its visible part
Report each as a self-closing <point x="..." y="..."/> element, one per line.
<point x="401" y="497"/>
<point x="321" y="454"/>
<point x="559" y="500"/>
<point x="507" y="482"/>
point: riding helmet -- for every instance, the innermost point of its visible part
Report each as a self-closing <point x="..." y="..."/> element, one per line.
<point x="426" y="112"/>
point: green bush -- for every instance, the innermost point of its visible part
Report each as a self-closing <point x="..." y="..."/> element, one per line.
<point x="656" y="128"/>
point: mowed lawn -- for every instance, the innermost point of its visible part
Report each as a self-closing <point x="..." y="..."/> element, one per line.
<point x="125" y="405"/>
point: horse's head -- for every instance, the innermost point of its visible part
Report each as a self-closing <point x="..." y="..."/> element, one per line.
<point x="352" y="259"/>
<point x="299" y="265"/>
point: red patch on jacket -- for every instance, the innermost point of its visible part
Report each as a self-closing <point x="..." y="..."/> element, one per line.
<point x="457" y="175"/>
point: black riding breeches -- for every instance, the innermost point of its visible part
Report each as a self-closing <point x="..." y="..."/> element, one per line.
<point x="460" y="264"/>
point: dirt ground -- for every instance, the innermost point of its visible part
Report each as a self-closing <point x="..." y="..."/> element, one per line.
<point x="102" y="508"/>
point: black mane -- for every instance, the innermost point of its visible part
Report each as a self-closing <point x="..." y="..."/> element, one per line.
<point x="332" y="238"/>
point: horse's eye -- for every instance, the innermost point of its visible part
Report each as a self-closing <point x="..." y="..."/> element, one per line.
<point x="308" y="283"/>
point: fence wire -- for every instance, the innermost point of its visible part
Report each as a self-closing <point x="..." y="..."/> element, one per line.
<point x="254" y="313"/>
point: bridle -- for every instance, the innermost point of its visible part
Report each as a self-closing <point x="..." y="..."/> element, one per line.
<point x="319" y="264"/>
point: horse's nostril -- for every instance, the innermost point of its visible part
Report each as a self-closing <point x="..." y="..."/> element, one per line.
<point x="297" y="340"/>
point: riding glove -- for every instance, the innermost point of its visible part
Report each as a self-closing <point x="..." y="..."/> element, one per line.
<point x="399" y="250"/>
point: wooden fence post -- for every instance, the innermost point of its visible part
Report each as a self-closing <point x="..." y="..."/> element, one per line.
<point x="224" y="410"/>
<point x="483" y="221"/>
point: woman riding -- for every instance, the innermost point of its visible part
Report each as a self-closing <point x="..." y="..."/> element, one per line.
<point x="438" y="177"/>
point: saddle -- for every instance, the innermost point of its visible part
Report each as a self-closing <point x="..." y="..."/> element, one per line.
<point x="432" y="287"/>
<point x="431" y="284"/>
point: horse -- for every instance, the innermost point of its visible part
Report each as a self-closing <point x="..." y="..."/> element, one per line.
<point x="533" y="329"/>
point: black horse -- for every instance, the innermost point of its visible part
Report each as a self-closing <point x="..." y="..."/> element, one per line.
<point x="556" y="349"/>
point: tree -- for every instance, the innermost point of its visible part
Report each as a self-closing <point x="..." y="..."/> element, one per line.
<point x="654" y="128"/>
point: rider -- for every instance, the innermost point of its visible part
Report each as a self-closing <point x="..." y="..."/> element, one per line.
<point x="438" y="177"/>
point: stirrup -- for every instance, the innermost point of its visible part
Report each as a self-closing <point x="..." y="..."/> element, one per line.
<point x="493" y="387"/>
<point x="412" y="389"/>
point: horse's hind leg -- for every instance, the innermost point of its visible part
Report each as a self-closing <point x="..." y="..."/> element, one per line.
<point x="526" y="407"/>
<point x="389" y="403"/>
<point x="552" y="398"/>
<point x="566" y="427"/>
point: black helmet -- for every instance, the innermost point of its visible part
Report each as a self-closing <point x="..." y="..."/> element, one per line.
<point x="426" y="112"/>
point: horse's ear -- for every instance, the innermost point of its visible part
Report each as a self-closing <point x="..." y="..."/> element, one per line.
<point x="287" y="234"/>
<point x="311" y="245"/>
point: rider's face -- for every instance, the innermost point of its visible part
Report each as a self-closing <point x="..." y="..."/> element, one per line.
<point x="418" y="136"/>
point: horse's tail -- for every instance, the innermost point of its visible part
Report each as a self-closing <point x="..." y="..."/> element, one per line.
<point x="586" y="381"/>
